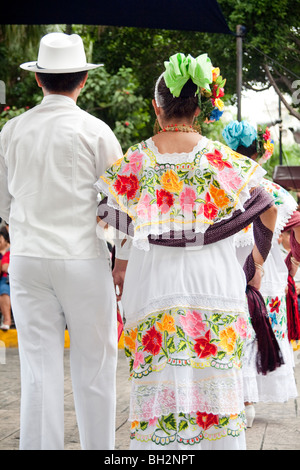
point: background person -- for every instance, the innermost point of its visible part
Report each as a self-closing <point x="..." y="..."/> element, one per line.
<point x="5" y="304"/>
<point x="277" y="385"/>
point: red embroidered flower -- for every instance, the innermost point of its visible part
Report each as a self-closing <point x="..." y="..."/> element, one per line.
<point x="209" y="209"/>
<point x="204" y="348"/>
<point x="274" y="305"/>
<point x="206" y="421"/>
<point x="152" y="341"/>
<point x="216" y="159"/>
<point x="127" y="185"/>
<point x="164" y="200"/>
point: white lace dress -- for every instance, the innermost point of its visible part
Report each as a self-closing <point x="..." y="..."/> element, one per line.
<point x="278" y="385"/>
<point x="185" y="308"/>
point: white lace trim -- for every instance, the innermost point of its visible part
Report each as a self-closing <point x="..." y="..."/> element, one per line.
<point x="197" y="301"/>
<point x="176" y="158"/>
<point x="222" y="394"/>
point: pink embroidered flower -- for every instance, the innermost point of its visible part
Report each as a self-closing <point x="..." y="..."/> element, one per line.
<point x="135" y="162"/>
<point x="153" y="421"/>
<point x="242" y="327"/>
<point x="187" y="200"/>
<point x="145" y="210"/>
<point x="229" y="180"/>
<point x="138" y="359"/>
<point x="192" y="324"/>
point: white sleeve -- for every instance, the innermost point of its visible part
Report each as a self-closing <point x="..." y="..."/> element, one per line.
<point x="5" y="197"/>
<point x="108" y="150"/>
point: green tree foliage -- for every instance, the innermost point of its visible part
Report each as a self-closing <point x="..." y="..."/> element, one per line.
<point x="114" y="99"/>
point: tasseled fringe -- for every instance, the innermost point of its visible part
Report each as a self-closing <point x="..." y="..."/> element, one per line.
<point x="269" y="356"/>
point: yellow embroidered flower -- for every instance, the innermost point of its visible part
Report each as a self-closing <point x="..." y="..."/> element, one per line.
<point x="130" y="340"/>
<point x="134" y="424"/>
<point x="219" y="104"/>
<point x="167" y="324"/>
<point x="219" y="196"/>
<point x="228" y="339"/>
<point x="170" y="181"/>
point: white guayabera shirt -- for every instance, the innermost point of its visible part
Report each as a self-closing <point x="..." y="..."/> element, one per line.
<point x="50" y="158"/>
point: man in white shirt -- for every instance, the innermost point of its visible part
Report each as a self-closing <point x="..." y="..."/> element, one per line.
<point x="50" y="158"/>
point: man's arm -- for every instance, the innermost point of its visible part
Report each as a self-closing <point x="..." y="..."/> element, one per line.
<point x="5" y="197"/>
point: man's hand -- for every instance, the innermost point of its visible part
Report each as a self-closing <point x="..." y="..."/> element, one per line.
<point x="118" y="274"/>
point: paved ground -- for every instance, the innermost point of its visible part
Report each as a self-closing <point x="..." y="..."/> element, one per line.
<point x="276" y="427"/>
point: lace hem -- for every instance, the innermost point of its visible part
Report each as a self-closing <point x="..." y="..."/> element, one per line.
<point x="221" y="396"/>
<point x="197" y="301"/>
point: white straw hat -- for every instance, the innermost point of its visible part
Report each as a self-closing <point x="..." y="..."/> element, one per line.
<point x="60" y="53"/>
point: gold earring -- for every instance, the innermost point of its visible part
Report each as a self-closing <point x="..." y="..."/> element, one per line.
<point x="156" y="127"/>
<point x="197" y="126"/>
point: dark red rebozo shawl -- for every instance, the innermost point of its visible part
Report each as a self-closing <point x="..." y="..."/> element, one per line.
<point x="293" y="317"/>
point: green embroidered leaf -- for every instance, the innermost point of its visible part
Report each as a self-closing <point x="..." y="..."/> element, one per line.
<point x="182" y="346"/>
<point x="139" y="336"/>
<point x="171" y="345"/>
<point x="149" y="359"/>
<point x="221" y="355"/>
<point x="216" y="317"/>
<point x="127" y="352"/>
<point x="224" y="421"/>
<point x="183" y="425"/>
<point x="143" y="425"/>
<point x="170" y="422"/>
<point x="215" y="329"/>
<point x="180" y="332"/>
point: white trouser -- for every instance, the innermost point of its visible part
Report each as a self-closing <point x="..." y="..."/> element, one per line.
<point x="46" y="295"/>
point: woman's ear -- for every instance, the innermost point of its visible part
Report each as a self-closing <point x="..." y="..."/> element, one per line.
<point x="197" y="112"/>
<point x="156" y="108"/>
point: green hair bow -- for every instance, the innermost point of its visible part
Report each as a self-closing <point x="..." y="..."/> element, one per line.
<point x="179" y="69"/>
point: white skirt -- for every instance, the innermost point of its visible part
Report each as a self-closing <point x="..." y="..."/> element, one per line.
<point x="186" y="324"/>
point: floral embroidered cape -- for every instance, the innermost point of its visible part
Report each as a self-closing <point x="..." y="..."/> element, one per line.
<point x="285" y="204"/>
<point x="194" y="192"/>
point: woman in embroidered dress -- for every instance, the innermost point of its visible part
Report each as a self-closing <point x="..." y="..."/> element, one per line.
<point x="278" y="385"/>
<point x="184" y="290"/>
